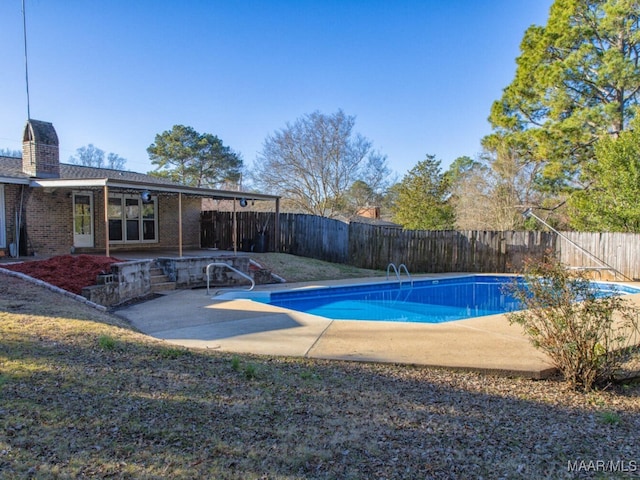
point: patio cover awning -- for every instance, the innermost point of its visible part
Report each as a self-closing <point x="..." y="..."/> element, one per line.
<point x="160" y="187"/>
<point x="152" y="186"/>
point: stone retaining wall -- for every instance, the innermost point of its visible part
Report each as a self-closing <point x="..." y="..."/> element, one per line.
<point x="189" y="272"/>
<point x="132" y="280"/>
<point x="127" y="280"/>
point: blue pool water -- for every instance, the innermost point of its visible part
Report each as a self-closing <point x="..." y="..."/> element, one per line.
<point x="428" y="301"/>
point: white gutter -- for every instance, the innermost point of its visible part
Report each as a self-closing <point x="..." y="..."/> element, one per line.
<point x="46" y="183"/>
<point x="14" y="180"/>
<point x="156" y="187"/>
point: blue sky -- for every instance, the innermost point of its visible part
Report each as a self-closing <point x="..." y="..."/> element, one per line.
<point x="419" y="76"/>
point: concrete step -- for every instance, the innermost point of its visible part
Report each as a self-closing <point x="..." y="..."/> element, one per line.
<point x="155" y="271"/>
<point x="162" y="287"/>
<point x="155" y="279"/>
<point x="159" y="281"/>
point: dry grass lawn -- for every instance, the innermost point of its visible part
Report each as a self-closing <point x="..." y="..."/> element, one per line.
<point x="82" y="395"/>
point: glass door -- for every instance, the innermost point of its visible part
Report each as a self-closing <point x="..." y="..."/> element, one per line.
<point x="83" y="219"/>
<point x="114" y="212"/>
<point x="132" y="212"/>
<point x="132" y="220"/>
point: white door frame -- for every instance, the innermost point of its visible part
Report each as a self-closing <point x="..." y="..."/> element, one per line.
<point x="83" y="230"/>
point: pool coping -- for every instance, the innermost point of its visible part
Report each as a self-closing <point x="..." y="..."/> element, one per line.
<point x="193" y="319"/>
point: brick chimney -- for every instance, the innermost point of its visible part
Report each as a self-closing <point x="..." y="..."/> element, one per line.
<point x="40" y="150"/>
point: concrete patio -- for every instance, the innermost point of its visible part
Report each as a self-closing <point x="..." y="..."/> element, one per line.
<point x="192" y="318"/>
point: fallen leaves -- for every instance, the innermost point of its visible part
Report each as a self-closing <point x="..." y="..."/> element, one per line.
<point x="138" y="408"/>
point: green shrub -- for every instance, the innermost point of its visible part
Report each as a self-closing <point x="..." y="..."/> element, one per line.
<point x="587" y="336"/>
<point x="250" y="371"/>
<point x="173" y="352"/>
<point x="106" y="342"/>
<point x="610" y="418"/>
<point x="235" y="363"/>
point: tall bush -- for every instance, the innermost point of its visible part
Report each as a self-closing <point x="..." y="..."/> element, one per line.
<point x="587" y="336"/>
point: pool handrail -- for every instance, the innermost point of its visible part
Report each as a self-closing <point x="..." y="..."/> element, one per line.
<point x="234" y="269"/>
<point x="402" y="265"/>
<point x="397" y="271"/>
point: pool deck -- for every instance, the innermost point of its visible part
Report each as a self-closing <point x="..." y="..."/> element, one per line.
<point x="193" y="319"/>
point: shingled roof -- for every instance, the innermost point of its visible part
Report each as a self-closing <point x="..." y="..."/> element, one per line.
<point x="70" y="171"/>
<point x="76" y="176"/>
<point x="12" y="167"/>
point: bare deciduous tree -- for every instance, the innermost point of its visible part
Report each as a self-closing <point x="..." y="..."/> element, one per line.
<point x="7" y="152"/>
<point x="91" y="156"/>
<point x="115" y="161"/>
<point x="315" y="161"/>
<point x="492" y="194"/>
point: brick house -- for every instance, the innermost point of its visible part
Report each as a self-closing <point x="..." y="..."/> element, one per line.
<point x="51" y="208"/>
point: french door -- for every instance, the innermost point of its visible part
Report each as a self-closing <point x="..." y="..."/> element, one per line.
<point x="132" y="220"/>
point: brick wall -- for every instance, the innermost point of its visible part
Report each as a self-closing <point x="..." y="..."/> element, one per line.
<point x="168" y="221"/>
<point x="40" y="150"/>
<point x="167" y="224"/>
<point x="48" y="219"/>
<point x="11" y="202"/>
<point x="42" y="161"/>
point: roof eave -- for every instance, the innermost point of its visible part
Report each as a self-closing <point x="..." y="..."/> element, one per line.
<point x="67" y="183"/>
<point x="14" y="180"/>
<point x="156" y="187"/>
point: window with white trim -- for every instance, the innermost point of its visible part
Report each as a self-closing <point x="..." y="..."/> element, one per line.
<point x="132" y="220"/>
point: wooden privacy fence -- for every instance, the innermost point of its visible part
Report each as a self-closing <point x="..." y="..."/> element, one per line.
<point x="315" y="237"/>
<point x="620" y="251"/>
<point x="446" y="250"/>
<point x="373" y="246"/>
<point x="303" y="235"/>
<point x="217" y="229"/>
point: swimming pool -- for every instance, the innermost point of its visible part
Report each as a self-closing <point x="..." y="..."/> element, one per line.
<point x="427" y="301"/>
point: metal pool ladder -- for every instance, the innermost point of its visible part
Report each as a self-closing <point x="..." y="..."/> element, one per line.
<point x="223" y="264"/>
<point x="398" y="271"/>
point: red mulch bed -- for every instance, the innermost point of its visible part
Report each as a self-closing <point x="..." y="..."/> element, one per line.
<point x="69" y="272"/>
